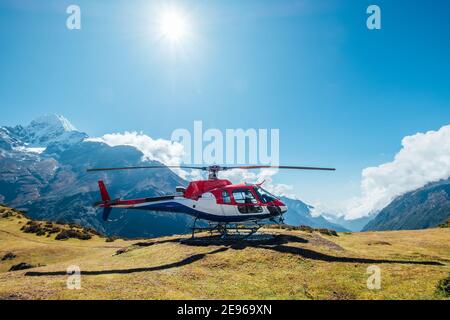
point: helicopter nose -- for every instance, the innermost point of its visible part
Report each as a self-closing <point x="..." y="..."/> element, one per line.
<point x="282" y="207"/>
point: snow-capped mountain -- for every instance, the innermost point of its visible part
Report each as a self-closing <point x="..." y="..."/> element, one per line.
<point x="8" y="140"/>
<point x="51" y="130"/>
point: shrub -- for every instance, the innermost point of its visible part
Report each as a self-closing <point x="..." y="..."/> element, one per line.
<point x="31" y="227"/>
<point x="21" y="266"/>
<point x="8" y="256"/>
<point x="93" y="231"/>
<point x="7" y="214"/>
<point x="74" y="234"/>
<point x="111" y="239"/>
<point x="54" y="230"/>
<point x="446" y="224"/>
<point x="121" y="251"/>
<point x="443" y="287"/>
<point x="306" y="228"/>
<point x="40" y="229"/>
<point x="327" y="232"/>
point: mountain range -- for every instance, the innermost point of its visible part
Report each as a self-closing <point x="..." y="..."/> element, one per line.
<point x="43" y="170"/>
<point x="422" y="208"/>
<point x="351" y="224"/>
<point x="299" y="213"/>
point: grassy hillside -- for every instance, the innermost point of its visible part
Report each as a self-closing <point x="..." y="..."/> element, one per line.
<point x="295" y="265"/>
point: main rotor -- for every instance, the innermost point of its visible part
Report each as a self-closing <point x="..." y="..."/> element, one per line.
<point x="212" y="170"/>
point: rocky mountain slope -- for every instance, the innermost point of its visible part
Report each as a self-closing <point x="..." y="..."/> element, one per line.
<point x="423" y="208"/>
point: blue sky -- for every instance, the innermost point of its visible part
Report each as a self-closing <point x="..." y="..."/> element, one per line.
<point x="341" y="95"/>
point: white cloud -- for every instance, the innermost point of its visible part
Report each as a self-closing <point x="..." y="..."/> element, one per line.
<point x="251" y="176"/>
<point x="423" y="158"/>
<point x="323" y="209"/>
<point x="165" y="151"/>
<point x="281" y="189"/>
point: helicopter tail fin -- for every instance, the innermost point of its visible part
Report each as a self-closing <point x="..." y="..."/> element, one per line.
<point x="105" y="199"/>
<point x="103" y="192"/>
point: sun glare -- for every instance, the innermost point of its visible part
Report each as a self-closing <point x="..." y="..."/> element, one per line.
<point x="174" y="26"/>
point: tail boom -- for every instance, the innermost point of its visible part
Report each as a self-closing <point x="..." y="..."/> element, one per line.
<point x="107" y="204"/>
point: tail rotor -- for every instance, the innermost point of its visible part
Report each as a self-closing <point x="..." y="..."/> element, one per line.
<point x="106" y="213"/>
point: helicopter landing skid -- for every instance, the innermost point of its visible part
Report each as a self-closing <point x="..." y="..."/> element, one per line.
<point x="228" y="230"/>
<point x="237" y="231"/>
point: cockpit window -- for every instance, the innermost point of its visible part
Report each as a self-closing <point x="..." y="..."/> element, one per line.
<point x="264" y="195"/>
<point x="244" y="196"/>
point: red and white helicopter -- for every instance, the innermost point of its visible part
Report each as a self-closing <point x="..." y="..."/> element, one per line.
<point x="215" y="200"/>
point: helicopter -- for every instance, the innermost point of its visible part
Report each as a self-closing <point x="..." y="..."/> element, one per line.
<point x="217" y="201"/>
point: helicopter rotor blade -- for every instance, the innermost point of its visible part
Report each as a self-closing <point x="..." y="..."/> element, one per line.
<point x="145" y="167"/>
<point x="278" y="167"/>
<point x="212" y="168"/>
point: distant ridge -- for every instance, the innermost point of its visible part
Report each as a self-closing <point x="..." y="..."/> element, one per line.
<point x="299" y="213"/>
<point x="425" y="207"/>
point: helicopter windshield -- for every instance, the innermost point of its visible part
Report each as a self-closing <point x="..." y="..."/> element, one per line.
<point x="264" y="195"/>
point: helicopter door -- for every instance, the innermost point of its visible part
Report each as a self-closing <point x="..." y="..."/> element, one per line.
<point x="207" y="203"/>
<point x="227" y="208"/>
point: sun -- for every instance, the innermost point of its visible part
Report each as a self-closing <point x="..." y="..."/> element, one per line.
<point x="174" y="25"/>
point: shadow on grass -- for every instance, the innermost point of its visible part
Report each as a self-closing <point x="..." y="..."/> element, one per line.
<point x="277" y="243"/>
<point x="153" y="242"/>
<point x="314" y="255"/>
<point x="186" y="261"/>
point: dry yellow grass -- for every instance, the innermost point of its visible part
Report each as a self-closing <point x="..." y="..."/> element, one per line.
<point x="298" y="265"/>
